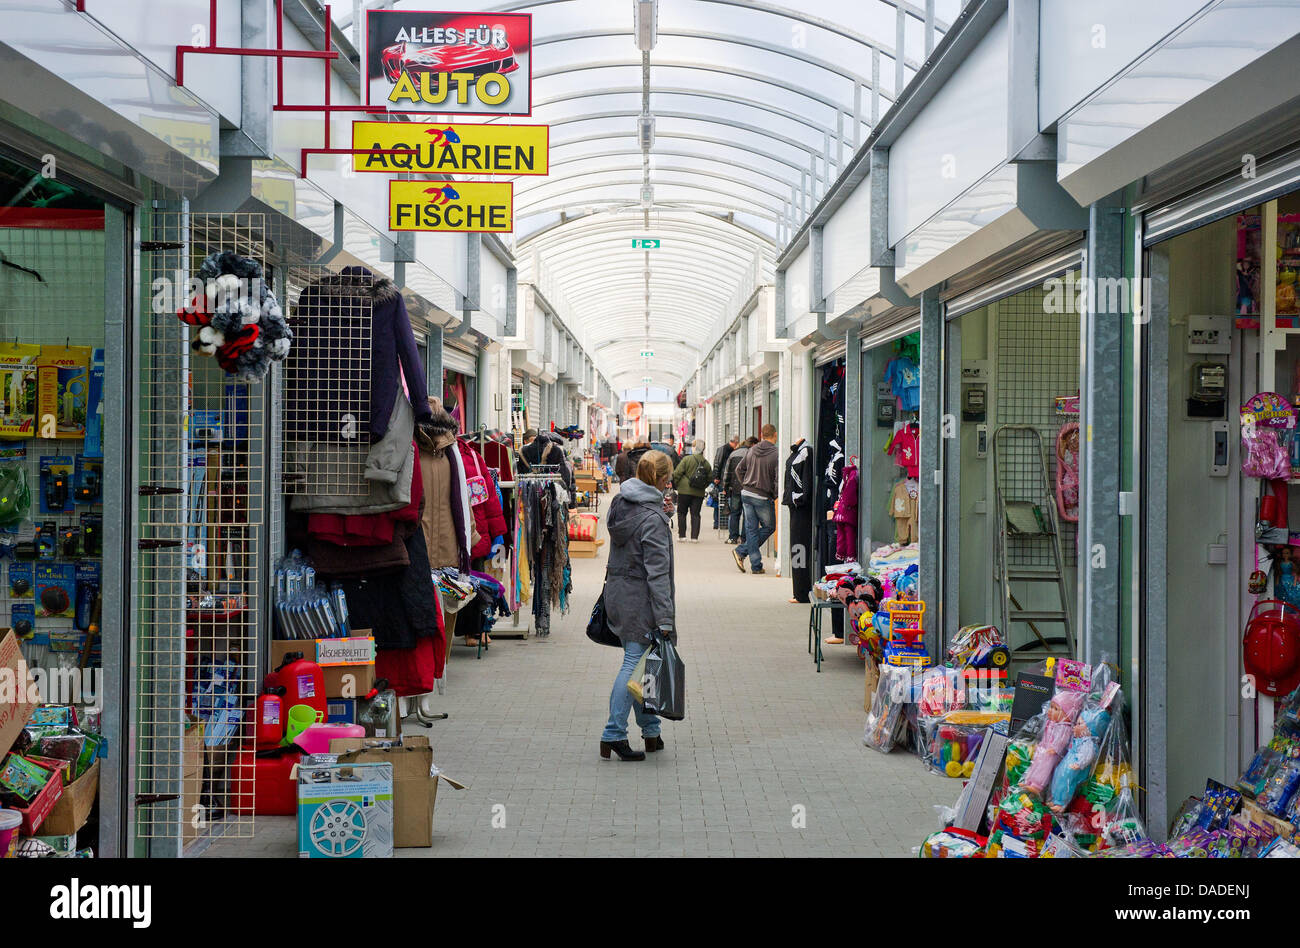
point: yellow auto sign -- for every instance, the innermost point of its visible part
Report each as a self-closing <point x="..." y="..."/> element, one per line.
<point x="452" y="149"/>
<point x="459" y="206"/>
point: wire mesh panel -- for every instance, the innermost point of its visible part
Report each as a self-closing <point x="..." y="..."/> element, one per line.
<point x="326" y="395"/>
<point x="1038" y="360"/>
<point x="201" y="535"/>
<point x="51" y="302"/>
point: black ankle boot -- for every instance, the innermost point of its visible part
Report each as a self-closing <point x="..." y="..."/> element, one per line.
<point x="622" y="748"/>
<point x="653" y="744"/>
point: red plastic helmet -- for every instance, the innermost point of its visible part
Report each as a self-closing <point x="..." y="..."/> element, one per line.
<point x="1272" y="647"/>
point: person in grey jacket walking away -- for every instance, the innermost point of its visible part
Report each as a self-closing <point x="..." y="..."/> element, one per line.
<point x="691" y="478"/>
<point x="757" y="474"/>
<point x="640" y="593"/>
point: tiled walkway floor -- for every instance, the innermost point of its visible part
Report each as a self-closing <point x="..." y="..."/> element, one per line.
<point x="764" y="735"/>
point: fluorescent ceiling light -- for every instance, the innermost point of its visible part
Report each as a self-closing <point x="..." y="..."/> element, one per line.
<point x="647" y="24"/>
<point x="645" y="131"/>
<point x="648" y="197"/>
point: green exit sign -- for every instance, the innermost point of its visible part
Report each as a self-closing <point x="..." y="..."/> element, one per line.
<point x="647" y="354"/>
<point x="645" y="243"/>
<point x="647" y="380"/>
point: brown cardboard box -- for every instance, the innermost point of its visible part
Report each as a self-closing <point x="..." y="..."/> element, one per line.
<point x="873" y="680"/>
<point x="16" y="686"/>
<point x="415" y="792"/>
<point x="191" y="780"/>
<point x="584" y="549"/>
<point x="341" y="681"/>
<point x="73" y="808"/>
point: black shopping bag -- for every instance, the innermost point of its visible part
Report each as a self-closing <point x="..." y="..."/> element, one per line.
<point x="664" y="682"/>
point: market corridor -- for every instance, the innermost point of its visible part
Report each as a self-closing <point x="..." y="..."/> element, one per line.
<point x="764" y="733"/>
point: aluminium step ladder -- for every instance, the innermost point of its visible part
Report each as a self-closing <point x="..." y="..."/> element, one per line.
<point x="1028" y="553"/>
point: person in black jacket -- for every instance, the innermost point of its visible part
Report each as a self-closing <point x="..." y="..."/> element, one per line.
<point x="719" y="466"/>
<point x="799" y="498"/>
<point x="730" y="489"/>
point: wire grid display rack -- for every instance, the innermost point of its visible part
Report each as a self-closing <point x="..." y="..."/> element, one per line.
<point x="1038" y="360"/>
<point x="200" y="569"/>
<point x="59" y="305"/>
<point x="326" y="389"/>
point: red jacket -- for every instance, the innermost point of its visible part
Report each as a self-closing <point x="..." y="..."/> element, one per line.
<point x="485" y="505"/>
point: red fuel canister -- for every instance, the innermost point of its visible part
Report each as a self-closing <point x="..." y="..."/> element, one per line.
<point x="303" y="683"/>
<point x="271" y="712"/>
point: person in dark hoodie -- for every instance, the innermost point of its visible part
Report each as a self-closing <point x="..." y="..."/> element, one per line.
<point x="730" y="491"/>
<point x="719" y="467"/>
<point x="757" y="474"/>
<point x="639" y="593"/>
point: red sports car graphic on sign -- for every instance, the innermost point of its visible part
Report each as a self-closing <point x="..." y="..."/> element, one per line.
<point x="456" y="57"/>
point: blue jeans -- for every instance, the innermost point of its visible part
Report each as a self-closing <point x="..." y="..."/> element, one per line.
<point x="735" y="514"/>
<point x="621" y="701"/>
<point x="760" y="523"/>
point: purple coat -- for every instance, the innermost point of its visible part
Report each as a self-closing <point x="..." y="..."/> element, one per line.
<point x="326" y="326"/>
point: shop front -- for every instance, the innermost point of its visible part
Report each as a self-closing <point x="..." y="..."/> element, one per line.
<point x="1221" y="356"/>
<point x="1011" y="462"/>
<point x="66" y="218"/>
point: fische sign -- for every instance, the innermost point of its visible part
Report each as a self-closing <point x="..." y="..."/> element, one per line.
<point x="456" y="206"/>
<point x="452" y="149"/>
<point x="427" y="61"/>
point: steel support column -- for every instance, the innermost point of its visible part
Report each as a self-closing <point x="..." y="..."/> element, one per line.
<point x="853" y="410"/>
<point x="929" y="521"/>
<point x="1101" y="386"/>
<point x="951" y="460"/>
<point x="866" y="424"/>
<point x="1151" y="727"/>
<point x="433" y="362"/>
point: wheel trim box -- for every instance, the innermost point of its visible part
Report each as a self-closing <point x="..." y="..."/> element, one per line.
<point x="329" y="791"/>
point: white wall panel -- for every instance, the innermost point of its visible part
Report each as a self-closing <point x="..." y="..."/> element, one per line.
<point x="958" y="138"/>
<point x="1082" y="46"/>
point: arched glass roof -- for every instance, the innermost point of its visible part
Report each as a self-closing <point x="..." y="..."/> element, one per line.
<point x="756" y="105"/>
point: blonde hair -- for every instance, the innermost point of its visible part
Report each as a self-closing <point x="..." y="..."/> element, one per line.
<point x="653" y="467"/>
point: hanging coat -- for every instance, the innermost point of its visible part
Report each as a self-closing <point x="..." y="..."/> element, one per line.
<point x="443" y="520"/>
<point x="846" y="517"/>
<point x="485" y="506"/>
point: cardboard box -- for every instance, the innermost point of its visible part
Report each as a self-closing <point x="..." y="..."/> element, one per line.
<point x="584" y="549"/>
<point x="73" y="807"/>
<point x="1261" y="817"/>
<point x="415" y="782"/>
<point x="345" y="811"/>
<point x="341" y="680"/>
<point x="341" y="711"/>
<point x="16" y="688"/>
<point x="973" y="802"/>
<point x="191" y="780"/>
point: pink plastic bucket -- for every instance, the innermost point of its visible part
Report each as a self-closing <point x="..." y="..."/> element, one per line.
<point x="316" y="739"/>
<point x="10" y="821"/>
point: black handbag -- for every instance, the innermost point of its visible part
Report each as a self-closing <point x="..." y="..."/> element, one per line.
<point x="598" y="629"/>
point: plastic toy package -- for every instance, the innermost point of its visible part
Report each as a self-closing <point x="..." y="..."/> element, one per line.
<point x="1068" y="768"/>
<point x="887" y="720"/>
<point x="952" y="844"/>
<point x="951" y="743"/>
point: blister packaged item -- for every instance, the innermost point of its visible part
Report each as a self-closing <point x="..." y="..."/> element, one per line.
<point x="1280" y="788"/>
<point x="952" y="844"/>
<point x="18" y="381"/>
<point x="63" y="391"/>
<point x="952" y="743"/>
<point x="15" y="495"/>
<point x="21" y="778"/>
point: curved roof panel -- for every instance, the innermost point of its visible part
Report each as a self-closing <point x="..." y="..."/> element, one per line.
<point x="756" y="106"/>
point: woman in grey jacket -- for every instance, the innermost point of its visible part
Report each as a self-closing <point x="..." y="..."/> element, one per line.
<point x="639" y="592"/>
